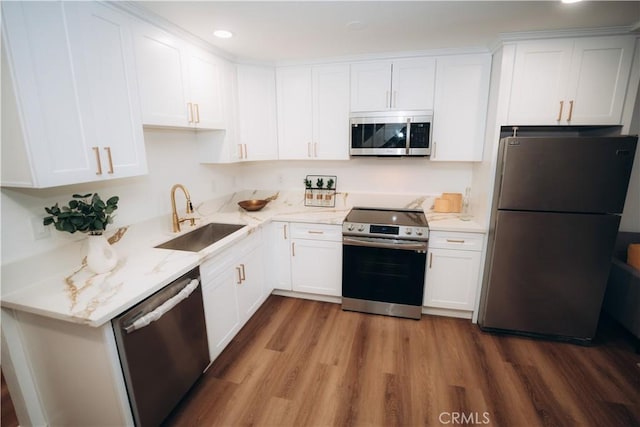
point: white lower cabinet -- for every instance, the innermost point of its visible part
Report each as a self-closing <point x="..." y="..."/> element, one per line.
<point x="316" y="258"/>
<point x="453" y="269"/>
<point x="232" y="289"/>
<point x="278" y="267"/>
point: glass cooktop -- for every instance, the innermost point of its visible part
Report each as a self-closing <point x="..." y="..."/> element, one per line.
<point x="406" y="217"/>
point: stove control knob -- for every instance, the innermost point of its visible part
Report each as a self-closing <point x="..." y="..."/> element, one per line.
<point x="350" y="227"/>
<point x="361" y="228"/>
<point x="407" y="231"/>
<point x="419" y="231"/>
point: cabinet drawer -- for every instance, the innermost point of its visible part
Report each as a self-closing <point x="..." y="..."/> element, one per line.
<point x="327" y="232"/>
<point x="215" y="265"/>
<point x="451" y="240"/>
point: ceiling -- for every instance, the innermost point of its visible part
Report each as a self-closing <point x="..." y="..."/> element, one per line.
<point x="268" y="31"/>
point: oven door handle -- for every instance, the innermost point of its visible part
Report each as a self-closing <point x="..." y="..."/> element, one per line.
<point x="141" y="322"/>
<point x="377" y="243"/>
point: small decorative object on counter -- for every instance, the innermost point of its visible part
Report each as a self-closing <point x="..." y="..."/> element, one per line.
<point x="448" y="202"/>
<point x="88" y="214"/>
<point x="466" y="208"/>
<point x="322" y="194"/>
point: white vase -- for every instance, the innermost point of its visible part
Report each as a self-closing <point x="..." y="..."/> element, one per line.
<point x="101" y="257"/>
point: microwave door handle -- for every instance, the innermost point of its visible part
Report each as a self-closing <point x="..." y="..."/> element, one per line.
<point x="408" y="135"/>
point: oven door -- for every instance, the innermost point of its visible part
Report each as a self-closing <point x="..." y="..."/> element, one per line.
<point x="383" y="270"/>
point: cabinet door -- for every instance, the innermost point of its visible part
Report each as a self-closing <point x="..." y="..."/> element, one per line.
<point x="294" y="92"/>
<point x="279" y="257"/>
<point x="162" y="78"/>
<point x="598" y="80"/>
<point x="370" y="86"/>
<point x="462" y="95"/>
<point x="316" y="266"/>
<point x="103" y="59"/>
<point x="413" y="84"/>
<point x="251" y="287"/>
<point x="257" y="113"/>
<point x="35" y="39"/>
<point x="331" y="112"/>
<point x="451" y="278"/>
<point x="205" y="88"/>
<point x="221" y="309"/>
<point x="540" y="78"/>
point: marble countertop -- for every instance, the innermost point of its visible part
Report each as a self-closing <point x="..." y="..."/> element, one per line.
<point x="58" y="284"/>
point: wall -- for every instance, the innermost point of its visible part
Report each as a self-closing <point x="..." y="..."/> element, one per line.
<point x="372" y="175"/>
<point x="631" y="214"/>
<point x="172" y="157"/>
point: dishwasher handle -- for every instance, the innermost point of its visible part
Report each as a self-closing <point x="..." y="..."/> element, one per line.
<point x="156" y="314"/>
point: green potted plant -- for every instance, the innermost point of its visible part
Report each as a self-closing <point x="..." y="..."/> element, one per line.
<point x="88" y="213"/>
<point x="308" y="185"/>
<point x="319" y="185"/>
<point x="329" y="193"/>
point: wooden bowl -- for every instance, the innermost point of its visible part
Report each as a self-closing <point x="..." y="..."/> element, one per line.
<point x="253" y="205"/>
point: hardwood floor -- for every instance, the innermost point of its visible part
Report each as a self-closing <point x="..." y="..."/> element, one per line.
<point x="308" y="363"/>
<point x="9" y="418"/>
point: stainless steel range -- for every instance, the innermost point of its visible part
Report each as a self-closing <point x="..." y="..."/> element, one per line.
<point x="383" y="262"/>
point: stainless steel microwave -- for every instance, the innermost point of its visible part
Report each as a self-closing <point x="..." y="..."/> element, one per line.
<point x="391" y="133"/>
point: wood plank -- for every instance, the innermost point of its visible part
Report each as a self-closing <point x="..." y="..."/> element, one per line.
<point x="308" y="363"/>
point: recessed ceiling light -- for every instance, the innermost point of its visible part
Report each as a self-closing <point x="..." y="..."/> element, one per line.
<point x="223" y="34"/>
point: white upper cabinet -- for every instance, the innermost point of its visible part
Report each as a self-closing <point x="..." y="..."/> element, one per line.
<point x="257" y="125"/>
<point x="71" y="87"/>
<point x="295" y="113"/>
<point x="313" y="112"/>
<point x="570" y="82"/>
<point x="403" y="84"/>
<point x="180" y="85"/>
<point x="205" y="90"/>
<point x="460" y="107"/>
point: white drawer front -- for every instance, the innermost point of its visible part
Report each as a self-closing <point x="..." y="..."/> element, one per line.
<point x="451" y="240"/>
<point x="327" y="232"/>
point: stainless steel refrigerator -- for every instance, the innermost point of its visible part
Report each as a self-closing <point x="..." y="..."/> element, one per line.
<point x="555" y="216"/>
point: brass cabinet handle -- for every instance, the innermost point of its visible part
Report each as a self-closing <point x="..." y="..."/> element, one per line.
<point x="196" y="107"/>
<point x="108" y="150"/>
<point x="308" y="149"/>
<point x="455" y="241"/>
<point x="433" y="149"/>
<point x="315" y="149"/>
<point x="570" y="110"/>
<point x="395" y="98"/>
<point x="246" y="152"/>
<point x="97" y="151"/>
<point x="560" y="112"/>
<point x="285" y="232"/>
<point x="315" y="232"/>
<point x="430" y="259"/>
<point x="239" y="276"/>
<point x="293" y="248"/>
<point x="190" y="111"/>
<point x="240" y="147"/>
<point x="387" y="100"/>
<point x="244" y="277"/>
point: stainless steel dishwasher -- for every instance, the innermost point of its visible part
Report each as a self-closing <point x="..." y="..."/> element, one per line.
<point x="162" y="343"/>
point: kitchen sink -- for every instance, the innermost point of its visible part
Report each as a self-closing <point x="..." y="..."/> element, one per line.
<point x="198" y="239"/>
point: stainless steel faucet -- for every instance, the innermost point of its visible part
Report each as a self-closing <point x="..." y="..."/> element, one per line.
<point x="175" y="220"/>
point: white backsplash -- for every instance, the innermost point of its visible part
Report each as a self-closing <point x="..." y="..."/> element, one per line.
<point x="172" y="157"/>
